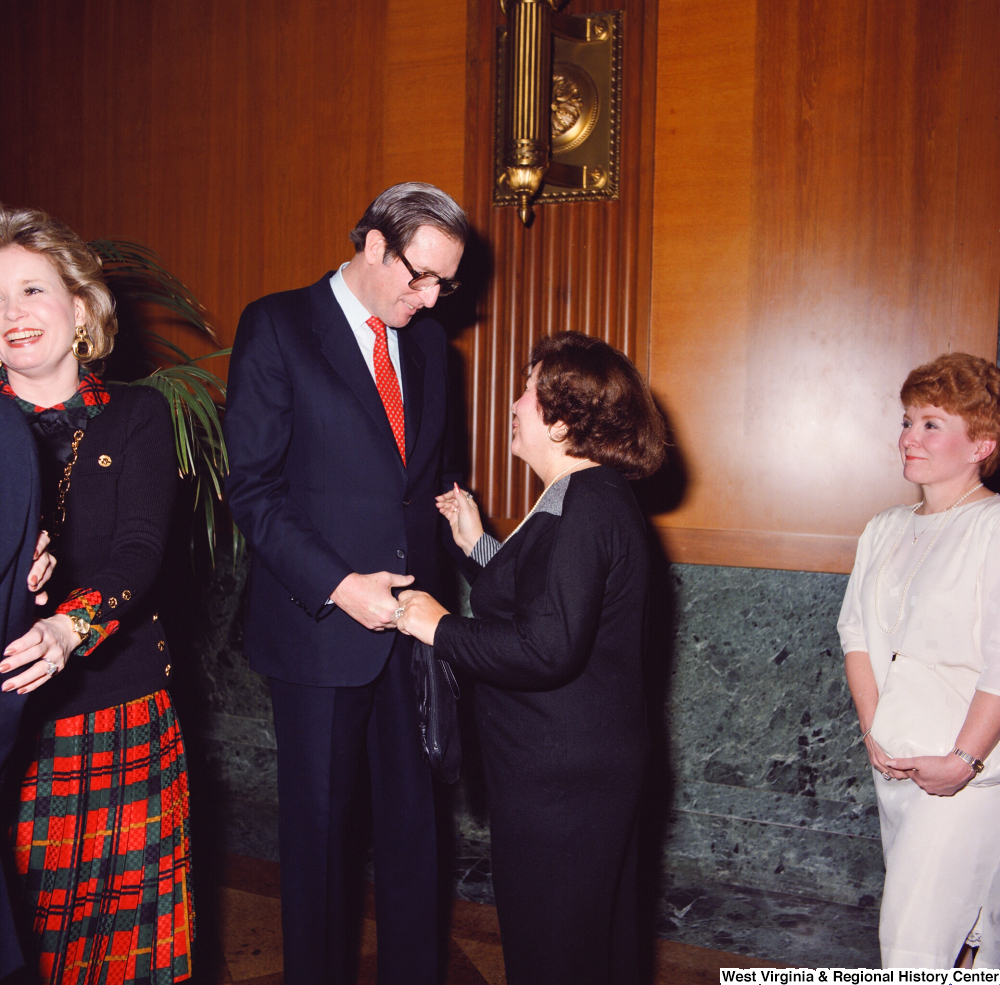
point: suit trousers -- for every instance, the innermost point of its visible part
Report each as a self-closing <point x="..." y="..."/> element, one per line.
<point x="321" y="733"/>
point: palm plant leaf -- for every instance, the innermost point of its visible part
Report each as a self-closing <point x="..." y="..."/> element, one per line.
<point x="194" y="394"/>
<point x="198" y="438"/>
<point x="134" y="271"/>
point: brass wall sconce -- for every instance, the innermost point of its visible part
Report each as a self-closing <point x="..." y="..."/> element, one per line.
<point x="558" y="105"/>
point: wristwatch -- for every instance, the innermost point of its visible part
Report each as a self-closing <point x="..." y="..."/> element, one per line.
<point x="80" y="626"/>
<point x="976" y="765"/>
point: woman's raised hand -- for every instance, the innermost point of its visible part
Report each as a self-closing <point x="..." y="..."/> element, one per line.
<point x="44" y="650"/>
<point x="460" y="510"/>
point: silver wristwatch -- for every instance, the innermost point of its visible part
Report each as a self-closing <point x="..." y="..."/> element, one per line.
<point x="976" y="765"/>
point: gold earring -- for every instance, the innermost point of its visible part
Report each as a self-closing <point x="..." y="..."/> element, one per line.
<point x="83" y="348"/>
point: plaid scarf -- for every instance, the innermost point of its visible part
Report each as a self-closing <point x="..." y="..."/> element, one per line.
<point x="90" y="396"/>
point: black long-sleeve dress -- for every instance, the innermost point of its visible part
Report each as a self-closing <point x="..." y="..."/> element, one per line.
<point x="556" y="645"/>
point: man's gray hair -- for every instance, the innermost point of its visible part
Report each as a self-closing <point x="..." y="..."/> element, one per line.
<point x="402" y="209"/>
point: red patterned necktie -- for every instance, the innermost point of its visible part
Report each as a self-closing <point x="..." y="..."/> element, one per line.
<point x="388" y="385"/>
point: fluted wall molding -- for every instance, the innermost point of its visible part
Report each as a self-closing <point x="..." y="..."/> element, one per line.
<point x="584" y="266"/>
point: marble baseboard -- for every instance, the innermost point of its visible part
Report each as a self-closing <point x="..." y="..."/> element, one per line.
<point x="794" y="930"/>
<point x="247" y="827"/>
<point x="822" y="850"/>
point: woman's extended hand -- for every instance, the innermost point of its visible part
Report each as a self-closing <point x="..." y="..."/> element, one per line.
<point x="41" y="570"/>
<point x="460" y="510"/>
<point x="941" y="776"/>
<point x="420" y="616"/>
<point x="44" y="650"/>
<point x="879" y="758"/>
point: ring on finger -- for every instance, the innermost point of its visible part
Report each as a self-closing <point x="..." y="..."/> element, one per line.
<point x="887" y="775"/>
<point x="50" y="668"/>
<point x="468" y="496"/>
<point x="398" y="613"/>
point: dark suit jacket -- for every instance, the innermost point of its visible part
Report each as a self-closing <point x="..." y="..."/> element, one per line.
<point x="317" y="485"/>
<point x="20" y="501"/>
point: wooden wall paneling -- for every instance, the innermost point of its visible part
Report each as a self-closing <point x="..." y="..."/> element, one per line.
<point x="854" y="272"/>
<point x="701" y="253"/>
<point x="583" y="266"/>
<point x="235" y="139"/>
<point x="976" y="294"/>
<point x="818" y="260"/>
<point x="423" y="62"/>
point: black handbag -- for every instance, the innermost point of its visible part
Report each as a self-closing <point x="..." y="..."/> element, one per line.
<point x="437" y="712"/>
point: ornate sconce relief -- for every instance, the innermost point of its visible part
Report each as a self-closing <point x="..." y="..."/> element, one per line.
<point x="558" y="106"/>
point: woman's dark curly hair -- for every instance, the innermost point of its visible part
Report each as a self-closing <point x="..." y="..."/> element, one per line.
<point x="599" y="395"/>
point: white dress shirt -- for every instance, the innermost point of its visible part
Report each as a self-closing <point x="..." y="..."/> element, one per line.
<point x="357" y="317"/>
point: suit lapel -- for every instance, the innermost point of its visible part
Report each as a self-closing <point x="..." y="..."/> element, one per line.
<point x="411" y="360"/>
<point x="340" y="347"/>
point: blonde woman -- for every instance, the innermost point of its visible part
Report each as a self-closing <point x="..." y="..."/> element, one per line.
<point x="101" y="835"/>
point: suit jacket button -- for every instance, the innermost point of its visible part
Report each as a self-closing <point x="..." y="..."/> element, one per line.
<point x="166" y="670"/>
<point x="400" y="554"/>
<point x="161" y="645"/>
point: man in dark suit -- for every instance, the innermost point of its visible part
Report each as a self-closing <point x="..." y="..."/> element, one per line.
<point x="20" y="500"/>
<point x="336" y="425"/>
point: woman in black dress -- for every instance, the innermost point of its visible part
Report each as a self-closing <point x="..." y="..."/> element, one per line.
<point x="556" y="645"/>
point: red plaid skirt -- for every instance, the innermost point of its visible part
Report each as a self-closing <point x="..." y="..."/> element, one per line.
<point x="102" y="851"/>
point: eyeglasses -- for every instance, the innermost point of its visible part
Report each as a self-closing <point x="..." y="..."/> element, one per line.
<point x="424" y="282"/>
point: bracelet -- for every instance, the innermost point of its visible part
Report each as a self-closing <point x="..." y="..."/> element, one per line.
<point x="865" y="736"/>
<point x="81" y="626"/>
<point x="974" y="764"/>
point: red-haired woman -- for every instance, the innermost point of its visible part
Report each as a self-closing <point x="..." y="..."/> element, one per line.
<point x="556" y="647"/>
<point x="920" y="628"/>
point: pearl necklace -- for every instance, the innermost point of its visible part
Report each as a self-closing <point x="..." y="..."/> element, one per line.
<point x="927" y="550"/>
<point x="538" y="501"/>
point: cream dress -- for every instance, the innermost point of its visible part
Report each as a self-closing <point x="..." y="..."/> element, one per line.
<point x="942" y="854"/>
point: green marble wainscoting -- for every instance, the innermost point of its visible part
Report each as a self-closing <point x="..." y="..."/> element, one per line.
<point x="771" y="788"/>
<point x="760" y="781"/>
